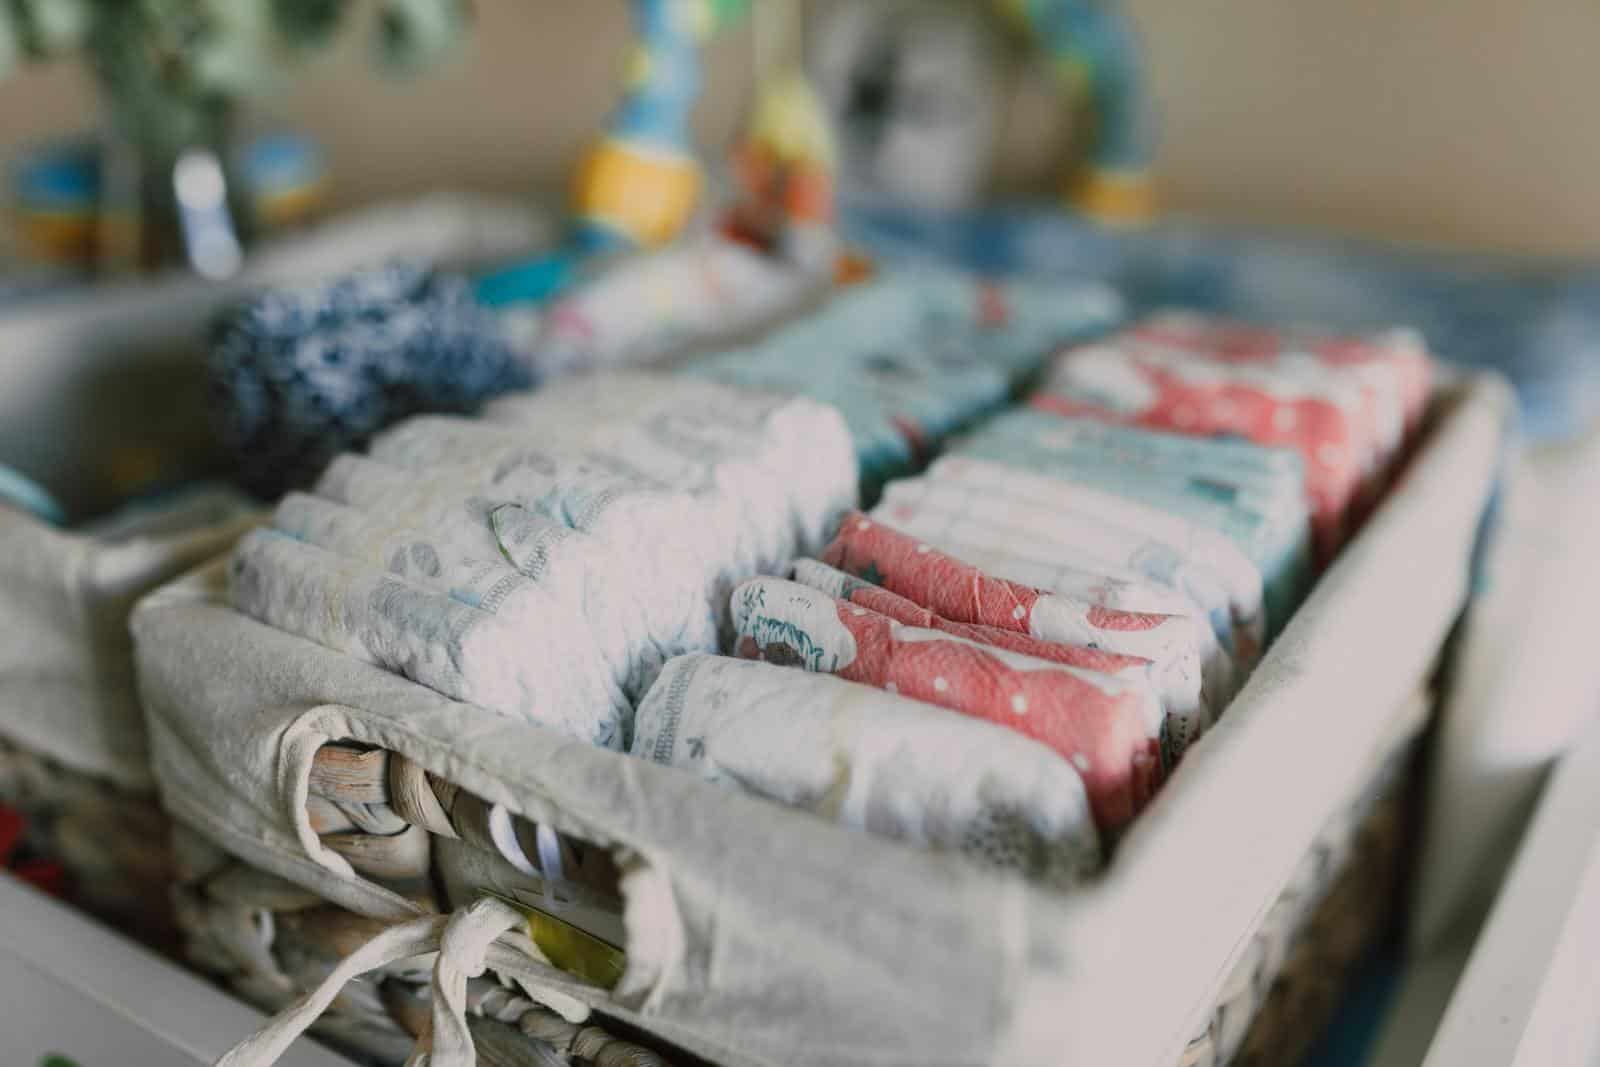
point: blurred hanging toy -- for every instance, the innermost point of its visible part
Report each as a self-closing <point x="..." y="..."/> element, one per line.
<point x="638" y="185"/>
<point x="914" y="89"/>
<point x="301" y="375"/>
<point x="1094" y="57"/>
<point x="784" y="166"/>
<point x="172" y="74"/>
<point x="772" y="250"/>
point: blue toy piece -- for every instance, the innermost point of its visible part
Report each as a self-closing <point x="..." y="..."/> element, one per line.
<point x="664" y="79"/>
<point x="18" y="490"/>
<point x="287" y="178"/>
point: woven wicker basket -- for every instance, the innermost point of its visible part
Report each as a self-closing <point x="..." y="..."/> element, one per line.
<point x="98" y="389"/>
<point x="1226" y="916"/>
<point x="271" y="940"/>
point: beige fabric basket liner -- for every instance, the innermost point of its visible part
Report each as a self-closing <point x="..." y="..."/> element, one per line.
<point x="66" y="661"/>
<point x="763" y="935"/>
<point x="114" y="369"/>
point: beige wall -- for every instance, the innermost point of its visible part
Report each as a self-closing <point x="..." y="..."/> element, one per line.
<point x="1468" y="121"/>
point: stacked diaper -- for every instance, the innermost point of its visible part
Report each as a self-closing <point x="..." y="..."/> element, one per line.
<point x="869" y="759"/>
<point x="1109" y="730"/>
<point x="1096" y="578"/>
<point x="1252" y="495"/>
<point x="1344" y="404"/>
<point x="598" y="528"/>
<point x="913" y="356"/>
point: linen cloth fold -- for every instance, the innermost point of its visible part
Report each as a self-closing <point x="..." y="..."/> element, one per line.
<point x="66" y="661"/>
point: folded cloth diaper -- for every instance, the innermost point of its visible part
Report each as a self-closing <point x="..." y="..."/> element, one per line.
<point x="1013" y="552"/>
<point x="873" y="761"/>
<point x="460" y="651"/>
<point x="1395" y="362"/>
<point x="1183" y="647"/>
<point x="912" y="356"/>
<point x="1348" y="405"/>
<point x="1110" y="730"/>
<point x="468" y="557"/>
<point x="842" y="586"/>
<point x="479" y="569"/>
<point x="1186" y="715"/>
<point x="1110" y="530"/>
<point x="1392" y="371"/>
<point x="1096" y="543"/>
<point x="1253" y="495"/>
<point x="1323" y="415"/>
<point x="565" y="520"/>
<point x="1189" y="395"/>
<point x="619" y="562"/>
<point x="776" y="471"/>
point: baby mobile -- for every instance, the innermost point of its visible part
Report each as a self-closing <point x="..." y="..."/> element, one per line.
<point x="160" y="185"/>
<point x="300" y="375"/>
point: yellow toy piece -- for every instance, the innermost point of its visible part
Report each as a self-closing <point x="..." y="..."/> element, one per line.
<point x="646" y="196"/>
<point x="792" y="123"/>
<point x="57" y="237"/>
<point x="1112" y="197"/>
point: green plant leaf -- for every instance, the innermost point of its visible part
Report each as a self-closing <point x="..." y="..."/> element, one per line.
<point x="414" y="34"/>
<point x="57" y="25"/>
<point x="308" y="23"/>
<point x="10" y="42"/>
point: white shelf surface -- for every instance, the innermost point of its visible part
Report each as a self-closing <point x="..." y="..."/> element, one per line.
<point x="73" y="992"/>
<point x="1530" y="994"/>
